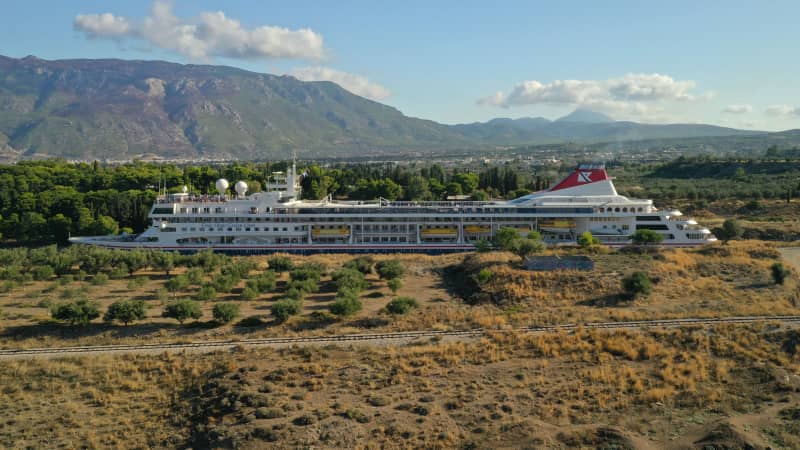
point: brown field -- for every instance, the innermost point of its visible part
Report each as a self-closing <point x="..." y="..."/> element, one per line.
<point x="722" y="387"/>
<point x="725" y="387"/>
<point x="720" y="280"/>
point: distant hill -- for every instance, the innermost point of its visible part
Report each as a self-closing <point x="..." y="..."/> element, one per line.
<point x="585" y="116"/>
<point x="117" y="109"/>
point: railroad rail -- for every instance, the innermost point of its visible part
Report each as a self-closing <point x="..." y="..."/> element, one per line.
<point x="379" y="337"/>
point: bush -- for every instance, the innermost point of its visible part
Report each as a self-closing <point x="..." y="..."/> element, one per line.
<point x="206" y="292"/>
<point x="283" y="309"/>
<point x="225" y="312"/>
<point x="295" y="293"/>
<point x="347" y="303"/>
<point x="646" y="237"/>
<point x="731" y="229"/>
<point x="484" y="276"/>
<point x="390" y="269"/>
<point x="306" y="286"/>
<point x="351" y="279"/>
<point x="195" y="276"/>
<point x="177" y="283"/>
<point x="125" y="311"/>
<point x="225" y="282"/>
<point x="525" y="247"/>
<point x="41" y="273"/>
<point x="638" y="283"/>
<point x="280" y="263"/>
<point x="79" y="312"/>
<point x="100" y="279"/>
<point x="181" y="310"/>
<point x="394" y="284"/>
<point x="249" y="294"/>
<point x="401" y="305"/>
<point x="779" y="273"/>
<point x="263" y="283"/>
<point x="307" y="272"/>
<point x="587" y="239"/>
<point x="363" y="264"/>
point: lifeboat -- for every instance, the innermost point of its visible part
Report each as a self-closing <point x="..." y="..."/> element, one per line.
<point x="439" y="231"/>
<point x="477" y="229"/>
<point x="336" y="231"/>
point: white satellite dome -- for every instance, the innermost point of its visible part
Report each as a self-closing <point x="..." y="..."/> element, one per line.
<point x="222" y="186"/>
<point x="240" y="188"/>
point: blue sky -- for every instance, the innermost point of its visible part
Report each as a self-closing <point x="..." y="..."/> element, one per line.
<point x="729" y="63"/>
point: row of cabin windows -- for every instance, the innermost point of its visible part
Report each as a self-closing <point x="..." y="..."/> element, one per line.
<point x="623" y="209"/>
<point x="212" y="229"/>
<point x="339" y="219"/>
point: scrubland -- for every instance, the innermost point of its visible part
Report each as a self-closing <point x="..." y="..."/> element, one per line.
<point x="696" y="387"/>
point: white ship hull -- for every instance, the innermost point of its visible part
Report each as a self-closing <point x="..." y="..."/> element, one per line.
<point x="275" y="221"/>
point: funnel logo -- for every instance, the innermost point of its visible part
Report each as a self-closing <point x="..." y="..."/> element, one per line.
<point x="584" y="177"/>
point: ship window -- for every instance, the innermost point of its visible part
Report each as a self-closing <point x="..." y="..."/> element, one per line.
<point x="602" y="209"/>
<point x="616" y="209"/>
<point x="670" y="236"/>
<point x="639" y="209"/>
<point x="206" y="210"/>
<point x="625" y="227"/>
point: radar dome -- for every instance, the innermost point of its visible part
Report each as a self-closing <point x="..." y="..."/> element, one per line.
<point x="240" y="187"/>
<point x="222" y="186"/>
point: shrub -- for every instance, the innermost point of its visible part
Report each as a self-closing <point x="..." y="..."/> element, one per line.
<point x="195" y="276"/>
<point x="294" y="293"/>
<point x="731" y="229"/>
<point x="135" y="283"/>
<point x="505" y="238"/>
<point x="526" y="247"/>
<point x="225" y="282"/>
<point x="306" y="286"/>
<point x="225" y="312"/>
<point x="263" y="283"/>
<point x="351" y="279"/>
<point x="79" y="312"/>
<point x="779" y="273"/>
<point x="307" y="272"/>
<point x="638" y="283"/>
<point x="401" y="305"/>
<point x="177" y="283"/>
<point x="482" y="245"/>
<point x="363" y="264"/>
<point x="390" y="269"/>
<point x="249" y="294"/>
<point x="280" y="263"/>
<point x="100" y="279"/>
<point x="41" y="273"/>
<point x="646" y="237"/>
<point x="484" y="276"/>
<point x="125" y="311"/>
<point x="283" y="309"/>
<point x="394" y="284"/>
<point x="347" y="303"/>
<point x="206" y="292"/>
<point x="181" y="310"/>
<point x="587" y="239"/>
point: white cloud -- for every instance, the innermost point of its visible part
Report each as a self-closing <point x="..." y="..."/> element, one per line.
<point x="782" y="111"/>
<point x="737" y="109"/>
<point x="104" y="25"/>
<point x="210" y="35"/>
<point x="356" y="84"/>
<point x="629" y="94"/>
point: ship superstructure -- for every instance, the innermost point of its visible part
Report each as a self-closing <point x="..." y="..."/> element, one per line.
<point x="277" y="221"/>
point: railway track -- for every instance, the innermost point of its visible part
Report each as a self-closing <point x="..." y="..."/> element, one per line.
<point x="379" y="337"/>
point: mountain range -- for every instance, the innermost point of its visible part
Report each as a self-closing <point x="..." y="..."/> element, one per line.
<point x="120" y="109"/>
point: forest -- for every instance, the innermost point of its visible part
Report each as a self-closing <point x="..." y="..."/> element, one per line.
<point x="43" y="202"/>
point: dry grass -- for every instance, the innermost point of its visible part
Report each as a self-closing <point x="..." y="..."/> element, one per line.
<point x="665" y="389"/>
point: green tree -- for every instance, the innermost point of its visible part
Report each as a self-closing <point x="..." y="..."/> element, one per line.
<point x="183" y="309"/>
<point x="731" y="229"/>
<point x="526" y="247"/>
<point x="418" y="188"/>
<point x="587" y="239"/>
<point x="283" y="309"/>
<point x="779" y="273"/>
<point x="389" y="269"/>
<point x="637" y="283"/>
<point x="505" y="238"/>
<point x="346" y="303"/>
<point x="225" y="312"/>
<point x="349" y="279"/>
<point x="125" y="311"/>
<point x="401" y="305"/>
<point x="104" y="225"/>
<point x="177" y="283"/>
<point x="646" y="237"/>
<point x="164" y="262"/>
<point x="79" y="312"/>
<point x="280" y="263"/>
<point x="206" y="292"/>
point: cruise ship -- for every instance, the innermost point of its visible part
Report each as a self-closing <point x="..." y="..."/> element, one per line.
<point x="276" y="220"/>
